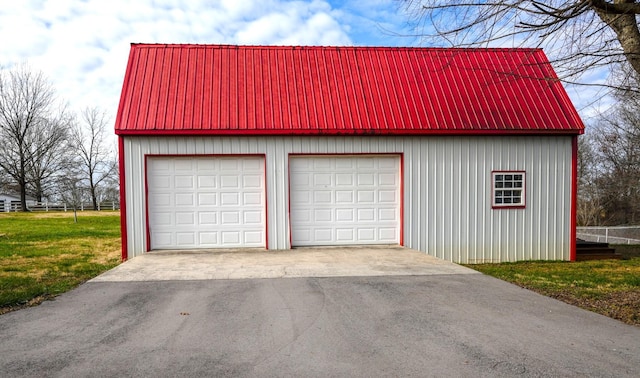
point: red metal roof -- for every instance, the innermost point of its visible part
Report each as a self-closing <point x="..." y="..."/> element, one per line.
<point x="266" y="90"/>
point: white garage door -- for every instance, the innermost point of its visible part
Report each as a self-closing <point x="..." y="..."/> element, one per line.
<point x="343" y="200"/>
<point x="206" y="202"/>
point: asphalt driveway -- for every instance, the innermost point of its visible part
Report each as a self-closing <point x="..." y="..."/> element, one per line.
<point x="452" y="323"/>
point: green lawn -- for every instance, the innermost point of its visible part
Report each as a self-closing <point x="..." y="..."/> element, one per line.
<point x="608" y="287"/>
<point x="45" y="254"/>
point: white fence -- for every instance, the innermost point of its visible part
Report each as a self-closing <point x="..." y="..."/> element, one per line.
<point x="613" y="235"/>
<point x="15" y="206"/>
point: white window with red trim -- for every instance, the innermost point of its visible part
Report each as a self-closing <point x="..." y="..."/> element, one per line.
<point x="508" y="189"/>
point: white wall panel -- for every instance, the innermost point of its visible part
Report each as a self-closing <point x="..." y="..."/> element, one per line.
<point x="447" y="189"/>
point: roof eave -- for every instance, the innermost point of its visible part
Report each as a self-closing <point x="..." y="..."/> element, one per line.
<point x="390" y="132"/>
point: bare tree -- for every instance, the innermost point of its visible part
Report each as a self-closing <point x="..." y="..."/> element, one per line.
<point x="97" y="160"/>
<point x="590" y="206"/>
<point x="618" y="142"/>
<point x="48" y="156"/>
<point x="581" y="35"/>
<point x="71" y="188"/>
<point x="27" y="115"/>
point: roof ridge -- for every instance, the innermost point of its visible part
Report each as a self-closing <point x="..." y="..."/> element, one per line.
<point x="329" y="47"/>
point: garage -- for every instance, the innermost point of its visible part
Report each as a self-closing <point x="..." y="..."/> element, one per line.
<point x="206" y="202"/>
<point x="345" y="200"/>
<point x="300" y="146"/>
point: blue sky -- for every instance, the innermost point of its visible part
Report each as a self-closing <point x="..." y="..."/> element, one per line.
<point x="82" y="45"/>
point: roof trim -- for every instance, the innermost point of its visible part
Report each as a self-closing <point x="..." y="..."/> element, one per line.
<point x="331" y="132"/>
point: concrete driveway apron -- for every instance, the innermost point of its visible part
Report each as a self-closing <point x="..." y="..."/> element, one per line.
<point x="336" y="312"/>
<point x="298" y="262"/>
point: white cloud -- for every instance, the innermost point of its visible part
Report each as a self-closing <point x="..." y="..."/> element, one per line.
<point x="83" y="45"/>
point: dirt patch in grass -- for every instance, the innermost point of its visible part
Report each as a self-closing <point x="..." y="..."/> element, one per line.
<point x="30" y="303"/>
<point x="69" y="214"/>
<point x="628" y="251"/>
<point x="622" y="305"/>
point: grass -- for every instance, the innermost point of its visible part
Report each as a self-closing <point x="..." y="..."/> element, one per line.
<point x="45" y="254"/>
<point x="608" y="287"/>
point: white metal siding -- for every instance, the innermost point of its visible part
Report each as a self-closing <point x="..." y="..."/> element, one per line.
<point x="206" y="202"/>
<point x="446" y="183"/>
<point x="343" y="200"/>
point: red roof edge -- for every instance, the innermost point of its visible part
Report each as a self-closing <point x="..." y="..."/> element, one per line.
<point x="125" y="85"/>
<point x="341" y="132"/>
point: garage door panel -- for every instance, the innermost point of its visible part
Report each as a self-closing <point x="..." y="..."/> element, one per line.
<point x="229" y="199"/>
<point x="323" y="235"/>
<point x="208" y="218"/>
<point x="345" y="200"/>
<point x="184" y="199"/>
<point x="231" y="237"/>
<point x="366" y="179"/>
<point x="344" y="179"/>
<point x="344" y="197"/>
<point x="183" y="182"/>
<point x="345" y="235"/>
<point x="387" y="196"/>
<point x="252" y="181"/>
<point x="163" y="239"/>
<point x="208" y="239"/>
<point x="366" y="196"/>
<point x="186" y="238"/>
<point x="183" y="165"/>
<point x="185" y="218"/>
<point x="206" y="182"/>
<point x="207" y="199"/>
<point x="164" y="219"/>
<point x="252" y="199"/>
<point x="323" y="196"/>
<point x="387" y="180"/>
<point x="366" y="214"/>
<point x="229" y="165"/>
<point x="364" y="163"/>
<point x="344" y="215"/>
<point x="322" y="215"/>
<point x="252" y="217"/>
<point x="387" y="214"/>
<point x="387" y="234"/>
<point x="301" y="197"/>
<point x="160" y="182"/>
<point x="367" y="234"/>
<point x="202" y="202"/>
<point x="230" y="217"/>
<point x="252" y="237"/>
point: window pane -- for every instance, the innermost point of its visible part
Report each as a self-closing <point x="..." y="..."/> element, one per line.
<point x="508" y="189"/>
